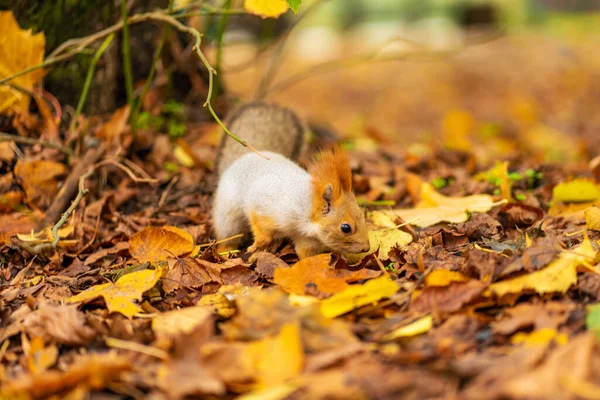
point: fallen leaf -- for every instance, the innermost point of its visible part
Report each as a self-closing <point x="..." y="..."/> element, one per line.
<point x="385" y="240"/>
<point x="357" y="296"/>
<point x="40" y="357"/>
<point x="279" y="392"/>
<point x="120" y="296"/>
<point x="576" y="191"/>
<point x="418" y="327"/>
<point x="94" y="370"/>
<point x="266" y="8"/>
<point x="434" y="208"/>
<point x="538" y="316"/>
<point x="592" y="218"/>
<point x="180" y="322"/>
<point x="58" y="323"/>
<point x="540" y="337"/>
<point x="112" y="132"/>
<point x="159" y="244"/>
<point x="279" y="358"/>
<point x="313" y="270"/>
<point x="447" y="298"/>
<point x="548" y="380"/>
<point x="558" y="276"/>
<point x="444" y="277"/>
<point x="22" y="50"/>
<point x="39" y="179"/>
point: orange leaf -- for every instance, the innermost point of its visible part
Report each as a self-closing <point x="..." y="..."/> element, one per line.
<point x="316" y="271"/>
<point x="158" y="244"/>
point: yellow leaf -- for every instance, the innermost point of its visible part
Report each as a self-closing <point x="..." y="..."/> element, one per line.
<point x="159" y="244"/>
<point x="46" y="236"/>
<point x="20" y="50"/>
<point x="576" y="191"/>
<point x="435" y="207"/>
<point x="357" y="296"/>
<point x="592" y="218"/>
<point x="180" y="322"/>
<point x="40" y="358"/>
<point x="278" y="392"/>
<point x="120" y="296"/>
<point x="183" y="157"/>
<point x="278" y="358"/>
<point x="415" y="328"/>
<point x="444" y="277"/>
<point x="266" y="8"/>
<point x="539" y="337"/>
<point x="386" y="239"/>
<point x="558" y="276"/>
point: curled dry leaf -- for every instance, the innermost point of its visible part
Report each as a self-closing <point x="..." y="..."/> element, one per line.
<point x="159" y="244"/>
<point x="120" y="296"/>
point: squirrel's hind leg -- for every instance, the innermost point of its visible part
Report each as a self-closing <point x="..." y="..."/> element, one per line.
<point x="263" y="229"/>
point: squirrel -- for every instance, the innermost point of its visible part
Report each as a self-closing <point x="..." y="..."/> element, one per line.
<point x="274" y="197"/>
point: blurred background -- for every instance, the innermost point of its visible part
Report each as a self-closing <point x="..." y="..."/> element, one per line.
<point x="499" y="78"/>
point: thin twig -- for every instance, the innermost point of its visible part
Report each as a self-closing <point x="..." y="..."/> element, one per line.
<point x="88" y="79"/>
<point x="165" y="193"/>
<point x="4" y="137"/>
<point x="65" y="216"/>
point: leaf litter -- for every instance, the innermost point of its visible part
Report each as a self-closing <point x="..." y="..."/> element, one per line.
<point x="482" y="280"/>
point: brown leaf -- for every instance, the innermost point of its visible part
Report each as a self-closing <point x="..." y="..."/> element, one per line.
<point x="189" y="272"/>
<point x="60" y="324"/>
<point x="538" y="316"/>
<point x="266" y="263"/>
<point x="448" y="298"/>
<point x="39" y="179"/>
<point x="100" y="254"/>
<point x="159" y="244"/>
<point x="566" y="368"/>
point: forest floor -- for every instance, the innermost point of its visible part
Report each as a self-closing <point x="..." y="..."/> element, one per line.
<point x="480" y="175"/>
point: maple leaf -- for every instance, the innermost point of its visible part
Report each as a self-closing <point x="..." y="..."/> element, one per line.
<point x="21" y="50"/>
<point x="159" y="244"/>
<point x="592" y="218"/>
<point x="315" y="270"/>
<point x="266" y="8"/>
<point x="120" y="296"/>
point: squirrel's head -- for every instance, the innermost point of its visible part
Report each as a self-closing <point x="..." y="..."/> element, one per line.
<point x="340" y="219"/>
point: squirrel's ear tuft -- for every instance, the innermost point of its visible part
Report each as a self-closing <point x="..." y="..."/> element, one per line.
<point x="332" y="168"/>
<point x="328" y="197"/>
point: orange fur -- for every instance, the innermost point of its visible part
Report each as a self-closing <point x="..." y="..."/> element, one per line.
<point x="263" y="229"/>
<point x="331" y="167"/>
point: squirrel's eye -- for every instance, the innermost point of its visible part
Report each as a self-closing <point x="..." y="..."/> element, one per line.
<point x="346" y="228"/>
